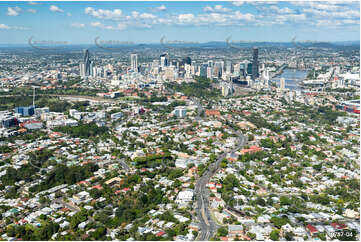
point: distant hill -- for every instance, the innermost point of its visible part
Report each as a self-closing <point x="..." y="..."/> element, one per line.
<point x="211" y="44"/>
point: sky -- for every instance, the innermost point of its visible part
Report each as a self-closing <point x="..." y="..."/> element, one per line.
<point x="149" y="22"/>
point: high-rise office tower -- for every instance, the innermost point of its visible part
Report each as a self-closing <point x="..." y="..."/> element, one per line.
<point x="81" y="69"/>
<point x="164" y="60"/>
<point x="187" y="60"/>
<point x="218" y="68"/>
<point x="242" y="69"/>
<point x="134" y="62"/>
<point x="228" y="66"/>
<point x="209" y="72"/>
<point x="87" y="63"/>
<point x="203" y="70"/>
<point x="86" y="66"/>
<point x="249" y="68"/>
<point x="255" y="64"/>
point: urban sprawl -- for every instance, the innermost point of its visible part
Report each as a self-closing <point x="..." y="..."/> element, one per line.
<point x="180" y="143"/>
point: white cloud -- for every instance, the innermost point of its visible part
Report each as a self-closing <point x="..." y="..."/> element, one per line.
<point x="77" y="25"/>
<point x="261" y="2"/>
<point x="120" y="26"/>
<point x="216" y="18"/>
<point x="330" y="13"/>
<point x="104" y="13"/>
<point x="135" y="14"/>
<point x="68" y="14"/>
<point x="240" y="16"/>
<point x="327" y="22"/>
<point x="208" y="9"/>
<point x="216" y="8"/>
<point x="99" y="25"/>
<point x="238" y="3"/>
<point x="4" y="26"/>
<point x="292" y="17"/>
<point x="186" y="18"/>
<point x="338" y="14"/>
<point x="161" y="8"/>
<point x="147" y="16"/>
<point x="219" y="19"/>
<point x="329" y="5"/>
<point x="282" y="10"/>
<point x="15" y="11"/>
<point x="336" y="22"/>
<point x="54" y="8"/>
<point x="216" y="15"/>
<point x="33" y="3"/>
<point x="31" y="10"/>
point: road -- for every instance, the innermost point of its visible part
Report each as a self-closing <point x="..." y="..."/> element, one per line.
<point x="208" y="226"/>
<point x="67" y="205"/>
<point x="199" y="108"/>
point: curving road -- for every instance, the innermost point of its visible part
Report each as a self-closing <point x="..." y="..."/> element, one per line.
<point x="208" y="226"/>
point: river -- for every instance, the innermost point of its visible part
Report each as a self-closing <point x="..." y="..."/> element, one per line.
<point x="293" y="78"/>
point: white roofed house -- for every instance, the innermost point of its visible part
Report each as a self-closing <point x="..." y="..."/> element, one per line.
<point x="185" y="197"/>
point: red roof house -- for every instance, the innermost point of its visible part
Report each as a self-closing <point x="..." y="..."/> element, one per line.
<point x="311" y="229"/>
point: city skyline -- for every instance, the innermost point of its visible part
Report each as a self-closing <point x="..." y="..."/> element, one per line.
<point x="180" y="121"/>
<point x="148" y="22"/>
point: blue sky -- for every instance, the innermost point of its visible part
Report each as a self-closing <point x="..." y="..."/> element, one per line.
<point x="148" y="22"/>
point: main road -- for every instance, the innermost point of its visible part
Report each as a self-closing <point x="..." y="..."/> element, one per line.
<point x="207" y="225"/>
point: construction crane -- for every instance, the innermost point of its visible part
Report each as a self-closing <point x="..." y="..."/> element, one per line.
<point x="34" y="87"/>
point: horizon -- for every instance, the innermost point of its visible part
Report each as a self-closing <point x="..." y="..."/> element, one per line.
<point x="193" y="43"/>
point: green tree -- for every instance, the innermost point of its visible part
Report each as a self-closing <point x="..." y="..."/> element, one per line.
<point x="222" y="231"/>
<point x="275" y="235"/>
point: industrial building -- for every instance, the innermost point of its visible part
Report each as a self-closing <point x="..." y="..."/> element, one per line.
<point x="25" y="111"/>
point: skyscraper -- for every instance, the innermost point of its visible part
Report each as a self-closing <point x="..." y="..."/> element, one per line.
<point x="86" y="66"/>
<point x="87" y="63"/>
<point x="249" y="68"/>
<point x="187" y="60"/>
<point x="255" y="64"/>
<point x="242" y="69"/>
<point x="164" y="60"/>
<point x="134" y="62"/>
<point x="218" y="68"/>
<point x="228" y="66"/>
<point x="203" y="70"/>
<point x="82" y="69"/>
<point x="209" y="72"/>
